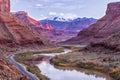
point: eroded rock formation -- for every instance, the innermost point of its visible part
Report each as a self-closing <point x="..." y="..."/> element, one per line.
<point x="104" y="27"/>
<point x="15" y="35"/>
<point x="5" y="5"/>
<point x="13" y="31"/>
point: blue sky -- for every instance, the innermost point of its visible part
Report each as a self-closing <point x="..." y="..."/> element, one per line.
<point x="41" y="9"/>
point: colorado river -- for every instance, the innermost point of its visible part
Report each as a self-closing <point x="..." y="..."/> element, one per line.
<point x="56" y="74"/>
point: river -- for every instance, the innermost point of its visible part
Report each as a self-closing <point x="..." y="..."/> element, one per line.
<point x="57" y="74"/>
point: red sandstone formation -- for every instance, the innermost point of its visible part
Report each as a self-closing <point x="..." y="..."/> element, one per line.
<point x="104" y="27"/>
<point x="48" y="27"/>
<point x="23" y="16"/>
<point x="15" y="34"/>
<point x="5" y="5"/>
<point x="14" y="31"/>
<point x="8" y="71"/>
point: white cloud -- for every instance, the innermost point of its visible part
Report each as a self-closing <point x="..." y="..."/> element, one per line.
<point x="63" y="15"/>
<point x="39" y="5"/>
<point x="68" y="15"/>
<point x="52" y="13"/>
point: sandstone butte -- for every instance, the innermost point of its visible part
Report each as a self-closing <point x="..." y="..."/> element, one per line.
<point x="46" y="30"/>
<point x="23" y="16"/>
<point x="103" y="28"/>
<point x="15" y="34"/>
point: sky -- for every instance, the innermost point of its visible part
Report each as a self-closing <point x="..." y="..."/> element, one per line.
<point x="42" y="9"/>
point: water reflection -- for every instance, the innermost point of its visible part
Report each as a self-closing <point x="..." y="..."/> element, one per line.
<point x="56" y="74"/>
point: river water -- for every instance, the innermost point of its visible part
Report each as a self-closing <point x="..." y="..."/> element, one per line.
<point x="57" y="74"/>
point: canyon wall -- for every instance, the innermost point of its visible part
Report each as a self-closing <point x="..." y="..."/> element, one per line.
<point x="5" y="5"/>
<point x="104" y="27"/>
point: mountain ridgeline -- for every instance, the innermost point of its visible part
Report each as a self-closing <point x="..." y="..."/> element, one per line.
<point x="72" y="25"/>
<point x="55" y="30"/>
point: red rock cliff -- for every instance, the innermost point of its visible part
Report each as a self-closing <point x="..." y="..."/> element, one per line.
<point x="5" y="5"/>
<point x="113" y="9"/>
<point x="15" y="32"/>
<point x="23" y="16"/>
<point x="104" y="27"/>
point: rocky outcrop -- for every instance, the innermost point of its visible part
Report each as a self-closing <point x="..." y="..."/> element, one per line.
<point x="104" y="27"/>
<point x="5" y="5"/>
<point x="15" y="35"/>
<point x="24" y="17"/>
<point x="48" y="26"/>
<point x="46" y="30"/>
<point x="8" y="71"/>
<point x="14" y="31"/>
<point x="113" y="9"/>
<point x="111" y="43"/>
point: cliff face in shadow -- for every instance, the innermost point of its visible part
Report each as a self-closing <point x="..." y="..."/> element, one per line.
<point x="104" y="27"/>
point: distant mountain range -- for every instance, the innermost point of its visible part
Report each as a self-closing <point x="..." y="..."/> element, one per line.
<point x="69" y="24"/>
<point x="67" y="28"/>
<point x="56" y="29"/>
<point x="59" y="19"/>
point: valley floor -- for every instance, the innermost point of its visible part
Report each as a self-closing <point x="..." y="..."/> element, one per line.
<point x="99" y="59"/>
<point x="28" y="61"/>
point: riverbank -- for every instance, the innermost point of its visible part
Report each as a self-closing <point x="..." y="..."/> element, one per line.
<point x="9" y="71"/>
<point x="89" y="59"/>
<point x="23" y="58"/>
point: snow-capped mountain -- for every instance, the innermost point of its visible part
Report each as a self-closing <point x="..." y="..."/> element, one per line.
<point x="77" y="24"/>
<point x="59" y="18"/>
<point x="62" y="19"/>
